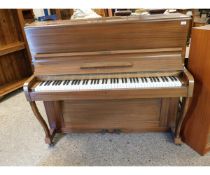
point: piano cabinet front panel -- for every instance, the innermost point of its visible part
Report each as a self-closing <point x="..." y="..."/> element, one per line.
<point x="132" y="115"/>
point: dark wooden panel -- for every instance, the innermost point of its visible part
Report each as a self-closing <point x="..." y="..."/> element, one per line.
<point x="14" y="67"/>
<point x="9" y="27"/>
<point x="197" y="123"/>
<point x="14" y="63"/>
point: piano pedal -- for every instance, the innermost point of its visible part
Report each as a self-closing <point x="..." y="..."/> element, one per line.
<point x="116" y="131"/>
<point x="104" y="131"/>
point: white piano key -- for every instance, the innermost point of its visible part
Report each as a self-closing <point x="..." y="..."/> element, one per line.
<point x="97" y="84"/>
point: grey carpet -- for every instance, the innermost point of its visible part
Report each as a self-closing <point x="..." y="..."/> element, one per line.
<point x="22" y="143"/>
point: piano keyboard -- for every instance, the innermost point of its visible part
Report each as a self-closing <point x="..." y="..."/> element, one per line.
<point x="108" y="83"/>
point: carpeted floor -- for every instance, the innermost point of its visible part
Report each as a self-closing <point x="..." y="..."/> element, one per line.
<point x="22" y="143"/>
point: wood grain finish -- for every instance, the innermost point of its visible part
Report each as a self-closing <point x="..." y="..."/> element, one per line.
<point x="112" y="114"/>
<point x="111" y="47"/>
<point x="133" y="61"/>
<point x="9" y="87"/>
<point x="107" y="35"/>
<point x="48" y="134"/>
<point x="197" y="123"/>
<point x="96" y="115"/>
<point x="13" y="67"/>
<point x="14" y="63"/>
<point x="13" y="47"/>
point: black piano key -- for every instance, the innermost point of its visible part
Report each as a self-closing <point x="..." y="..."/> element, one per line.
<point x="142" y="79"/>
<point x="56" y="83"/>
<point x="50" y="82"/>
<point x="131" y="80"/>
<point x="171" y="78"/>
<point x="137" y="80"/>
<point x="41" y="83"/>
<point x="154" y="79"/>
<point x="59" y="82"/>
<point x="174" y="78"/>
<point x="126" y="80"/>
<point x="163" y="79"/>
<point x="68" y="82"/>
<point x="145" y="79"/>
<point x="158" y="79"/>
<point x="64" y="83"/>
<point x="98" y="81"/>
<point x="79" y="81"/>
<point x="166" y="79"/>
<point x="151" y="79"/>
<point x="53" y="83"/>
<point x="45" y="84"/>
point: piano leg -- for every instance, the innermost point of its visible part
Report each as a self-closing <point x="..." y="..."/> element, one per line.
<point x="184" y="109"/>
<point x="49" y="134"/>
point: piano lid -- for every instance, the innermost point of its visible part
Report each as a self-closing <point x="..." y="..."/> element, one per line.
<point x="114" y="19"/>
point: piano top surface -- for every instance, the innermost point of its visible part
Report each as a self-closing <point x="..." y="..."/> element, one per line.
<point x="114" y="19"/>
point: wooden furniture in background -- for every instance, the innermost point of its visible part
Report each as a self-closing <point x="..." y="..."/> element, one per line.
<point x="62" y="14"/>
<point x="14" y="62"/>
<point x="26" y="15"/>
<point x="196" y="130"/>
<point x="83" y="49"/>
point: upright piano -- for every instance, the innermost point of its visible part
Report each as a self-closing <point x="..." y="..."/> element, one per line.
<point x="117" y="74"/>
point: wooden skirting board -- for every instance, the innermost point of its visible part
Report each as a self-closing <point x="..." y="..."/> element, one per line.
<point x="5" y="89"/>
